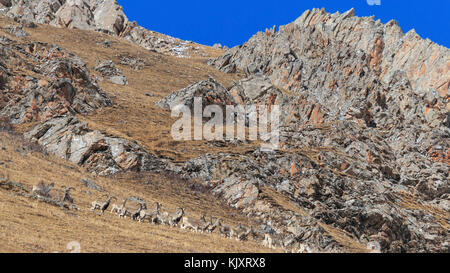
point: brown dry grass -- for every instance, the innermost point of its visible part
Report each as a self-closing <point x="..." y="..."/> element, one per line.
<point x="134" y="115"/>
<point x="28" y="225"/>
<point x="411" y="202"/>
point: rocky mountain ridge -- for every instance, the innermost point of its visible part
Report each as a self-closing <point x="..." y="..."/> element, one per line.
<point x="359" y="46"/>
<point x="99" y="15"/>
<point x="365" y="111"/>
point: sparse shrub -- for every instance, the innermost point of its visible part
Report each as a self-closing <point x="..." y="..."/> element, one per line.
<point x="24" y="144"/>
<point x="32" y="146"/>
<point x="191" y="184"/>
<point x="5" y="124"/>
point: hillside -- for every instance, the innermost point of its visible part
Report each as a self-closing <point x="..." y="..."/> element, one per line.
<point x="29" y="225"/>
<point x="362" y="164"/>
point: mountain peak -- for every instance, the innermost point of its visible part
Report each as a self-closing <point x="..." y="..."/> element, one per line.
<point x="316" y="32"/>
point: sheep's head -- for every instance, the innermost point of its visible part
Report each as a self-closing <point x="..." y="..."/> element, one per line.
<point x="180" y="212"/>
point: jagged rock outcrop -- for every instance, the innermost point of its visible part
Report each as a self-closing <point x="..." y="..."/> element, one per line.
<point x="351" y="189"/>
<point x="133" y="61"/>
<point x="365" y="127"/>
<point x="60" y="88"/>
<point x="6" y="3"/>
<point x="341" y="67"/>
<point x="102" y="15"/>
<point x="209" y="90"/>
<point x="17" y="31"/>
<point x="70" y="139"/>
<point x="345" y="173"/>
<point x="34" y="98"/>
<point x="109" y="16"/>
<point x="99" y="15"/>
<point x="109" y="70"/>
<point x="320" y="48"/>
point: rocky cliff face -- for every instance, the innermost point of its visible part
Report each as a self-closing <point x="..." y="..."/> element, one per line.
<point x="365" y="120"/>
<point x="103" y="15"/>
<point x="53" y="87"/>
<point x="99" y="15"/>
<point x="69" y="138"/>
<point x="63" y="84"/>
<point x="337" y="51"/>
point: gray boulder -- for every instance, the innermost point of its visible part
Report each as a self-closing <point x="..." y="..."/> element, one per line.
<point x="108" y="70"/>
<point x="211" y="92"/>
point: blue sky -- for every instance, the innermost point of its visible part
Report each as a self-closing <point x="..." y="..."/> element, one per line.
<point x="232" y="22"/>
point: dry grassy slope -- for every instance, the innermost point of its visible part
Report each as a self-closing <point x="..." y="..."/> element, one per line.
<point x="28" y="225"/>
<point x="134" y="115"/>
